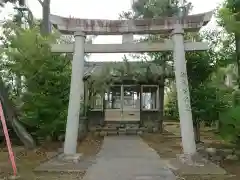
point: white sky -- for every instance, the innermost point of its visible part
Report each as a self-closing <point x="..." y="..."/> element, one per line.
<point x="102" y="9"/>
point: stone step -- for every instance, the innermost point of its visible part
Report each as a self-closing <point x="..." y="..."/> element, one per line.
<point x="131" y="131"/>
<point x="109" y="129"/>
<point x="112" y="133"/>
<point x="119" y="132"/>
<point x="114" y="125"/>
<point x="117" y="129"/>
<point x="95" y="129"/>
<point x="122" y="133"/>
<point x="121" y="129"/>
<point x="122" y="126"/>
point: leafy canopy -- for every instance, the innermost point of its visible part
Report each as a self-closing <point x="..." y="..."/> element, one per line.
<point x="45" y="78"/>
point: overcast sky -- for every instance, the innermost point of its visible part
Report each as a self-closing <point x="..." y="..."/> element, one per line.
<point x="102" y="9"/>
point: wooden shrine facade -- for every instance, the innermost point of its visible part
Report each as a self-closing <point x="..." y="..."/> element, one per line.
<point x="128" y="101"/>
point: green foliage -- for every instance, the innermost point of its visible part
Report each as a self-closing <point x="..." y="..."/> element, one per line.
<point x="222" y="47"/>
<point x="204" y="97"/>
<point x="229" y="116"/>
<point x="206" y="105"/>
<point x="230" y="125"/>
<point x="155" y="8"/>
<point x="205" y="102"/>
<point x="229" y="16"/>
<point x="45" y="79"/>
<point x="228" y="20"/>
<point x="171" y="107"/>
<point x="199" y="62"/>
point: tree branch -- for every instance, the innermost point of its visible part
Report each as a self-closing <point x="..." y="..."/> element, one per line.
<point x="41" y="2"/>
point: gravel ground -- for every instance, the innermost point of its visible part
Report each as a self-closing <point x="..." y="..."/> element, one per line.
<point x="168" y="145"/>
<point x="27" y="161"/>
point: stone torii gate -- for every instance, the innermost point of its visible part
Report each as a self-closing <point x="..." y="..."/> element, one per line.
<point x="127" y="28"/>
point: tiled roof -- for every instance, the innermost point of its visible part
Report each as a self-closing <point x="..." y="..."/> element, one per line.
<point x="97" y="67"/>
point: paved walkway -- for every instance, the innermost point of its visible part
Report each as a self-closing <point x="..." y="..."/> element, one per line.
<point x="128" y="158"/>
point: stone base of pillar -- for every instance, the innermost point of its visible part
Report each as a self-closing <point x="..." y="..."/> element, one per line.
<point x="192" y="159"/>
<point x="63" y="164"/>
<point x="75" y="158"/>
<point x="194" y="164"/>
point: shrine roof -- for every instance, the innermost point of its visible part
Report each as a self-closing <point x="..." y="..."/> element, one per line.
<point x="95" y="68"/>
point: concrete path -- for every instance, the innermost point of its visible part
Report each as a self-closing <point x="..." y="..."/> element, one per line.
<point x="128" y="158"/>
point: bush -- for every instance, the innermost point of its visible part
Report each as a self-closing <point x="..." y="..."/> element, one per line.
<point x="230" y="125"/>
<point x="205" y="104"/>
<point x="171" y="107"/>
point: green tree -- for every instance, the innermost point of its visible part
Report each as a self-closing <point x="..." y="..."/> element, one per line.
<point x="155" y="8"/>
<point x="10" y="111"/>
<point x="204" y="102"/>
<point x="46" y="79"/>
<point x="229" y="18"/>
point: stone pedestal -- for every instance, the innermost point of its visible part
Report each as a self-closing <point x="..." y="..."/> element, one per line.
<point x="64" y="165"/>
<point x="191" y="160"/>
<point x="75" y="158"/>
<point x="14" y="177"/>
<point x="194" y="164"/>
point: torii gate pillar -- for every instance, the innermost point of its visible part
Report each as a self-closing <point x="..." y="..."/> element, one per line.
<point x="76" y="95"/>
<point x="184" y="105"/>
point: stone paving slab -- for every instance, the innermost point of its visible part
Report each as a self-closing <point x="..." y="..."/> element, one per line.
<point x="128" y="158"/>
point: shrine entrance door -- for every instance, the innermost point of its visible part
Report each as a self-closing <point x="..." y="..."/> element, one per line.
<point x="122" y="103"/>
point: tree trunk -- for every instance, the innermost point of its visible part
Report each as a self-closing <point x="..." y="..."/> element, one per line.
<point x="197" y="132"/>
<point x="46" y="25"/>
<point x="218" y="126"/>
<point x="161" y="98"/>
<point x="161" y="108"/>
<point x="30" y="19"/>
<point x="11" y="116"/>
<point x="19" y="86"/>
